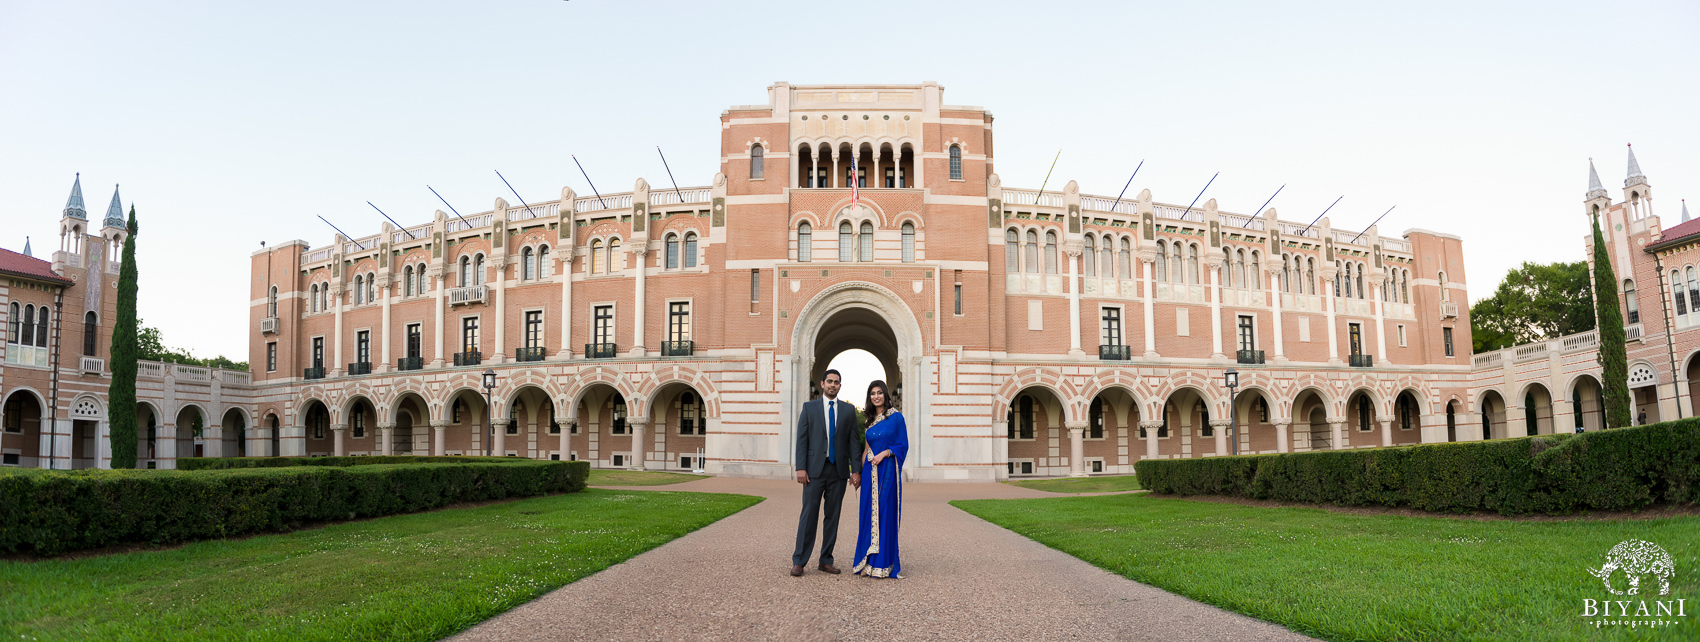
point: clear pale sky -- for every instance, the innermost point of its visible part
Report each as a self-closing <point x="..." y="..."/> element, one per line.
<point x="229" y="124"/>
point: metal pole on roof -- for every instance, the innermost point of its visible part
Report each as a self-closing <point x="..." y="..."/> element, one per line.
<point x="516" y="194"/>
<point x="1319" y="216"/>
<point x="1259" y="211"/>
<point x="403" y="229"/>
<point x="669" y="175"/>
<point x="1048" y="178"/>
<point x="1200" y="194"/>
<point x="1124" y="187"/>
<point x="592" y="185"/>
<point x="1372" y="223"/>
<point x="339" y="231"/>
<point x="445" y="201"/>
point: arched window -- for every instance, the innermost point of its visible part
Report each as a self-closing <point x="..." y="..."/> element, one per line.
<point x="1227" y="268"/>
<point x="1286" y="273"/>
<point x="359" y="289"/>
<point x="1109" y="259"/>
<point x="1011" y="251"/>
<point x="1310" y="274"/>
<point x="1126" y="258"/>
<point x="41" y="327"/>
<point x="908" y="242"/>
<point x="846" y="243"/>
<point x="867" y="241"/>
<point x="1404" y="286"/>
<point x="595" y="253"/>
<point x="1162" y="260"/>
<point x="1031" y="256"/>
<point x="1693" y="286"/>
<point x="1679" y="292"/>
<point x="1089" y="256"/>
<point x="91" y="334"/>
<point x="1256" y="281"/>
<point x="407" y="281"/>
<point x="1051" y="253"/>
<point x="805" y="241"/>
<point x="313" y="298"/>
<point x="613" y="249"/>
<point x="29" y="326"/>
<point x="690" y="249"/>
<point x="672" y="249"/>
<point x="527" y="265"/>
<point x="1629" y="303"/>
<point x="544" y="270"/>
<point x="325" y="296"/>
<point x="1338" y="269"/>
<point x="755" y="162"/>
<point x="371" y="287"/>
<point x="955" y="163"/>
<point x="271" y="302"/>
<point x="1177" y="269"/>
<point x="14" y="324"/>
<point x="466" y="270"/>
<point x="1239" y="270"/>
<point x="1192" y="264"/>
<point x="1359" y="272"/>
<point x="478" y="269"/>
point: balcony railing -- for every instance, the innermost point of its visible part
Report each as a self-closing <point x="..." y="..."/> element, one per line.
<point x="360" y="368"/>
<point x="1115" y="353"/>
<point x="313" y="373"/>
<point x="472" y="358"/>
<point x="677" y="348"/>
<point x="94" y="365"/>
<point x="268" y="325"/>
<point x="410" y="363"/>
<point x="1448" y="310"/>
<point x="529" y="354"/>
<point x="1249" y="357"/>
<point x="1363" y="361"/>
<point x="468" y="295"/>
<point x="598" y="350"/>
<point x="1632" y="332"/>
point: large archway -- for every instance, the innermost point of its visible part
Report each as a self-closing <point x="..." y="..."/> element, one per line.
<point x="233" y="433"/>
<point x="191" y="427"/>
<point x="1492" y="410"/>
<point x="1035" y="422"/>
<point x="1311" y="430"/>
<point x="678" y="419"/>
<point x="20" y="430"/>
<point x="868" y="317"/>
<point x="1587" y="407"/>
<point x="316" y="419"/>
<point x="1106" y="446"/>
<point x="1537" y="410"/>
<point x="412" y="432"/>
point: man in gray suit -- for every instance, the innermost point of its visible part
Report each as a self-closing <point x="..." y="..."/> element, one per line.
<point x="829" y="447"/>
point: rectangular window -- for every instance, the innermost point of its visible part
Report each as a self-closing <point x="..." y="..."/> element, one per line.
<point x="1248" y="340"/>
<point x="271" y="357"/>
<point x="318" y="352"/>
<point x="678" y="322"/>
<point x="604" y="324"/>
<point x="1401" y="329"/>
<point x="1355" y="338"/>
<point x="891" y="177"/>
<point x="1446" y="334"/>
<point x="534" y="329"/>
<point x="359" y="424"/>
<point x="1112" y="327"/>
<point x="413" y="341"/>
<point x="958" y="296"/>
<point x="469" y="334"/>
<point x="755" y="291"/>
<point x="363" y="346"/>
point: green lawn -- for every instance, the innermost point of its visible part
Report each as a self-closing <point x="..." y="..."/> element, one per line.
<point x="1104" y="484"/>
<point x="1363" y="577"/>
<point x="600" y="477"/>
<point x="407" y="577"/>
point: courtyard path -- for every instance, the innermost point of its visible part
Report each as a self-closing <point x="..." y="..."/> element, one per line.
<point x="965" y="578"/>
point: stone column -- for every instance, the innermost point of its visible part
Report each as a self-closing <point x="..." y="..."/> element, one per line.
<point x="1076" y="448"/>
<point x="294" y="441"/>
<point x="500" y="261"/>
<point x="639" y="252"/>
<point x="335" y="367"/>
<point x="636" y="427"/>
<point x="436" y="272"/>
<point x="567" y="438"/>
<point x="1386" y="430"/>
<point x="1220" y="428"/>
<point x="499" y="438"/>
<point x="1282" y="443"/>
<point x="565" y="252"/>
<point x="1338" y="429"/>
<point x="1151" y="428"/>
<point x="1327" y="275"/>
<point x="1073" y="249"/>
<point x="439" y="442"/>
<point x="1376" y="280"/>
<point x="337" y="431"/>
<point x="165" y="445"/>
<point x="1146" y="258"/>
<point x="384" y="284"/>
<point x="1274" y="274"/>
<point x="1214" y="259"/>
<point x="386" y="439"/>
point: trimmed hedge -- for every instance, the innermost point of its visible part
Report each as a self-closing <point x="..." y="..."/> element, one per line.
<point x="1620" y="469"/>
<point x="52" y="512"/>
<point x="225" y="463"/>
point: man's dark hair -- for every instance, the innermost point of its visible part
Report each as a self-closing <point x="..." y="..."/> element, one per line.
<point x="832" y="372"/>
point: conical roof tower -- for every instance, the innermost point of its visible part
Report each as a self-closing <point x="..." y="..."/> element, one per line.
<point x="1595" y="189"/>
<point x="74" y="204"/>
<point x="115" y="211"/>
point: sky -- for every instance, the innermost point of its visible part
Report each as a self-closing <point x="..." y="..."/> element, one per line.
<point x="229" y="124"/>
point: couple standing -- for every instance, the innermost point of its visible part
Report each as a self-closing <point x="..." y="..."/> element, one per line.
<point x="833" y="448"/>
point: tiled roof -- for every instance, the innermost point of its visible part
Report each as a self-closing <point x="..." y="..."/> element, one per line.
<point x="17" y="264"/>
<point x="1677" y="233"/>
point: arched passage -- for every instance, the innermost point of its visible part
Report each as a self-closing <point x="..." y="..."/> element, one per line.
<point x="530" y="424"/>
<point x="1361" y="424"/>
<point x="191" y="425"/>
<point x="601" y="420"/>
<point x="1035" y="421"/>
<point x="233" y="431"/>
<point x="464" y="434"/>
<point x="20" y="430"/>
<point x="316" y="420"/>
<point x="1452" y="411"/>
<point x="412" y="421"/>
<point x="1188" y="429"/>
<point x="864" y="316"/>
<point x="1310" y="422"/>
<point x="359" y="428"/>
<point x="1111" y="421"/>
<point x="274" y="438"/>
<point x="1587" y="406"/>
<point x="1537" y="410"/>
<point x="1407" y="418"/>
<point x="678" y="419"/>
<point x="1493" y="415"/>
<point x="147" y="435"/>
<point x="1252" y="420"/>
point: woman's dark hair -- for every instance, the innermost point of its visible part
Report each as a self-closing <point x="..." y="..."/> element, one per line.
<point x="868" y="410"/>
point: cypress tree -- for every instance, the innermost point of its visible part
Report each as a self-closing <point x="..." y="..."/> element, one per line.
<point x="122" y="395"/>
<point x="1614" y="354"/>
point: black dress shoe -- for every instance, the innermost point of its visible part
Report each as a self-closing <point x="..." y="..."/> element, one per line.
<point x="828" y="568"/>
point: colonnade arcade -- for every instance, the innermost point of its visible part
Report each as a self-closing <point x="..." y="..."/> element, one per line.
<point x="880" y="164"/>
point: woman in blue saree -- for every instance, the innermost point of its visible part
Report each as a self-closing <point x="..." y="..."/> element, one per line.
<point x="881" y="509"/>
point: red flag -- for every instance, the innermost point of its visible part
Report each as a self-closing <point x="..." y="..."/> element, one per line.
<point x="854" y="174"/>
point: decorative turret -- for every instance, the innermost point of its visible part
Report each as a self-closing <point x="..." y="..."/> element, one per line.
<point x="1637" y="194"/>
<point x="1597" y="201"/>
<point x="1685" y="210"/>
<point x="27" y="251"/>
<point x="1634" y="175"/>
<point x="1595" y="189"/>
<point x="74" y="205"/>
<point x="114" y="212"/>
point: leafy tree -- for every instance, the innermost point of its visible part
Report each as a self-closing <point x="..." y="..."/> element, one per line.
<point x="1614" y="355"/>
<point x="122" y="393"/>
<point x="151" y="347"/>
<point x="1535" y="301"/>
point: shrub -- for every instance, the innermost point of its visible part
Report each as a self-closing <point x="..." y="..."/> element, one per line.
<point x="1622" y="469"/>
<point x="225" y="463"/>
<point x="51" y="512"/>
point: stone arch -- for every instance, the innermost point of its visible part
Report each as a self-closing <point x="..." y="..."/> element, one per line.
<point x="40" y="400"/>
<point x="685" y="375"/>
<point x="590" y="377"/>
<point x="392" y="410"/>
<point x="813" y="219"/>
<point x="353" y="394"/>
<point x="393" y="395"/>
<point x="510" y="387"/>
<point x="79" y="409"/>
<point x="1204" y="386"/>
<point x="907" y="216"/>
<point x="1312" y="384"/>
<point x="1048" y="378"/>
<point x="1117" y="378"/>
<point x="907" y="345"/>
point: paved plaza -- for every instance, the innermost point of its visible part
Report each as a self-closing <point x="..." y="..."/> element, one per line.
<point x="965" y="578"/>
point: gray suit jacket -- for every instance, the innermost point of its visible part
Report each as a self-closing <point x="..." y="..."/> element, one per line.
<point x="811" y="439"/>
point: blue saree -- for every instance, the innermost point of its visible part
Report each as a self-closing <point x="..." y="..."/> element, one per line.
<point x="881" y="509"/>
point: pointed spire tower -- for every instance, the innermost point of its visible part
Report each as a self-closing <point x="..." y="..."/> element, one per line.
<point x="74" y="205"/>
<point x="1597" y="201"/>
<point x="114" y="212"/>
<point x="1595" y="188"/>
<point x="1685" y="210"/>
<point x="1637" y="194"/>
<point x="27" y="251"/>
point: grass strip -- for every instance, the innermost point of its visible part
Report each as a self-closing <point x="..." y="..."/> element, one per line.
<point x="602" y="477"/>
<point x="408" y="577"/>
<point x="1364" y="577"/>
<point x="1101" y="484"/>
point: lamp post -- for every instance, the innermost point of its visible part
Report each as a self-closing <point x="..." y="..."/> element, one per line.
<point x="489" y="387"/>
<point x="1231" y="379"/>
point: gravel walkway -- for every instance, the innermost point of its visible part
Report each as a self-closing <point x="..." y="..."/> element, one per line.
<point x="965" y="578"/>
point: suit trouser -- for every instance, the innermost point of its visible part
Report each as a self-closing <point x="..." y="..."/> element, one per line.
<point x="830" y="485"/>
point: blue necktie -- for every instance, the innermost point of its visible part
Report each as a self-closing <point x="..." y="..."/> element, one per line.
<point x="831" y="425"/>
